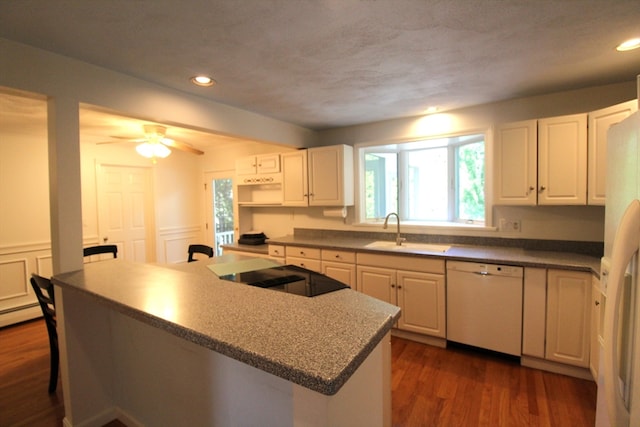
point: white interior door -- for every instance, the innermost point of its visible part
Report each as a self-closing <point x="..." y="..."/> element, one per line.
<point x="125" y="210"/>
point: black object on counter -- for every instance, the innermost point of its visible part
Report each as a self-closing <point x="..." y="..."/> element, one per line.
<point x="288" y="278"/>
<point x="252" y="239"/>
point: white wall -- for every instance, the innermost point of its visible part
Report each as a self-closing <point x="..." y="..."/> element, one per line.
<point x="24" y="212"/>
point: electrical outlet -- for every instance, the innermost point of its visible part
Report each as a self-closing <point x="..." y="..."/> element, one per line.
<point x="511" y="225"/>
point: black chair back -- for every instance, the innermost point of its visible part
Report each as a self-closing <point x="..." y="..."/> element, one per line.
<point x="43" y="289"/>
<point x="199" y="249"/>
<point x="101" y="249"/>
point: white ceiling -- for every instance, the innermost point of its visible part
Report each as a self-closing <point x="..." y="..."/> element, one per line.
<point x="330" y="63"/>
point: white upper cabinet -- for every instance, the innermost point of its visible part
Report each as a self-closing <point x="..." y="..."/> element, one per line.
<point x="314" y="177"/>
<point x="516" y="166"/>
<point x="599" y="123"/>
<point x="562" y="160"/>
<point x="542" y="162"/>
<point x="253" y="165"/>
<point x="295" y="187"/>
<point x="331" y="176"/>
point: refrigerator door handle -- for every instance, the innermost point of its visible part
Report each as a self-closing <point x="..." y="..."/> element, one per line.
<point x="625" y="245"/>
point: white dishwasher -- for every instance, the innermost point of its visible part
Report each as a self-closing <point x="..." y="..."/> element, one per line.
<point x="484" y="305"/>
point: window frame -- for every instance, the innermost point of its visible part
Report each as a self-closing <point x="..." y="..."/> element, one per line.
<point x="360" y="208"/>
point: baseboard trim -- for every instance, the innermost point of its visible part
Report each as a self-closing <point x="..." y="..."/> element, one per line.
<point x="105" y="417"/>
<point x="557" y="368"/>
<point x="424" y="339"/>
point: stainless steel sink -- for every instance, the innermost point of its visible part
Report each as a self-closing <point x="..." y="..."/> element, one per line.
<point x="408" y="246"/>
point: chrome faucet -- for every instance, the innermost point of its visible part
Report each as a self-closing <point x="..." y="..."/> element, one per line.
<point x="399" y="239"/>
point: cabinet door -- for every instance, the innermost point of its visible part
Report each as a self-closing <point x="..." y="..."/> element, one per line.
<point x="294" y="179"/>
<point x="568" y="317"/>
<point x="246" y="165"/>
<point x="377" y="282"/>
<point x="343" y="272"/>
<point x="516" y="163"/>
<point x="331" y="176"/>
<point x="422" y="299"/>
<point x="562" y="160"/>
<point x="534" y="312"/>
<point x="599" y="123"/>
<point x="268" y="163"/>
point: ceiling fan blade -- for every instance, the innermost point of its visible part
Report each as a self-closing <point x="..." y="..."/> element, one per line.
<point x="122" y="139"/>
<point x="180" y="146"/>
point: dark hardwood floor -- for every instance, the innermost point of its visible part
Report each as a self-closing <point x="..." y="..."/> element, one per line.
<point x="24" y="378"/>
<point x="465" y="387"/>
<point x="431" y="387"/>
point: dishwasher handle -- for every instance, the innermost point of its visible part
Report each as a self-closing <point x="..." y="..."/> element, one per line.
<point x="482" y="273"/>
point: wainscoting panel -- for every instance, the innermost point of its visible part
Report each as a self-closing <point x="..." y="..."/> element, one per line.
<point x="17" y="300"/>
<point x="174" y="243"/>
<point x="13" y="280"/>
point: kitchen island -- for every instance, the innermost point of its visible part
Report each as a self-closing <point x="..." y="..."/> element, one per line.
<point x="177" y="346"/>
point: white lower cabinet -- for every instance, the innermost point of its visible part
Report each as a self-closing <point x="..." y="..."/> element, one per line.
<point x="557" y="316"/>
<point x="560" y="307"/>
<point x="568" y="317"/>
<point x="277" y="252"/>
<point x="308" y="258"/>
<point x="420" y="294"/>
<point x="339" y="265"/>
<point x="534" y="312"/>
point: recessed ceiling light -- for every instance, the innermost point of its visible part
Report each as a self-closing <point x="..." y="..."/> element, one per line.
<point x="628" y="45"/>
<point x="204" y="81"/>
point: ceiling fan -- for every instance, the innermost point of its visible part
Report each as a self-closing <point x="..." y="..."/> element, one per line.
<point x="155" y="143"/>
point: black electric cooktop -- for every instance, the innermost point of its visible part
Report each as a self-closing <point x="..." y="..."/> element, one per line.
<point x="288" y="278"/>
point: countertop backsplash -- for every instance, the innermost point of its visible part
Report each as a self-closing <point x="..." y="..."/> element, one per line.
<point x="595" y="249"/>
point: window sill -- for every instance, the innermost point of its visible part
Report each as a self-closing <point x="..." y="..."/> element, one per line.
<point x="422" y="227"/>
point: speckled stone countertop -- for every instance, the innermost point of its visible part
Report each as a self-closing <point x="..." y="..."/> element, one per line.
<point x="315" y="342"/>
<point x="488" y="254"/>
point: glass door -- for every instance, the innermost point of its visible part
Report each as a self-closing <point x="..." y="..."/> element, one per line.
<point x="220" y="221"/>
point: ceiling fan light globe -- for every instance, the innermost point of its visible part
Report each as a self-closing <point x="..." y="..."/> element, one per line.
<point x="152" y="150"/>
<point x="161" y="151"/>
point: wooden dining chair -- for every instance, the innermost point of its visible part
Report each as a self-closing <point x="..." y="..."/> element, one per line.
<point x="101" y="249"/>
<point x="43" y="289"/>
<point x="199" y="249"/>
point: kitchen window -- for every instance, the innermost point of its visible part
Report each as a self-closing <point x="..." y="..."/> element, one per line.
<point x="428" y="181"/>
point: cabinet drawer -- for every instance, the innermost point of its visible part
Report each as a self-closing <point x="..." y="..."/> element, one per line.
<point x="338" y="256"/>
<point x="309" y="264"/>
<point x="300" y="252"/>
<point x="425" y="265"/>
<point x="276" y="251"/>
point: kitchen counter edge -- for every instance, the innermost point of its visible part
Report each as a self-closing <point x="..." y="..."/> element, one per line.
<point x="483" y="254"/>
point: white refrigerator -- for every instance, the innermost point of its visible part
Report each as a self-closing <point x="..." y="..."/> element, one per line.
<point x="619" y="373"/>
